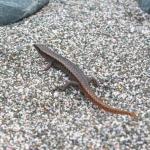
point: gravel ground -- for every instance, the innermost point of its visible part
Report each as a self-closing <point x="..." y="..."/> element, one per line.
<point x="108" y="39"/>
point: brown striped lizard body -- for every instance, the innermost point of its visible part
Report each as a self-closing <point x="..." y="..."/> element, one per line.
<point x="77" y="78"/>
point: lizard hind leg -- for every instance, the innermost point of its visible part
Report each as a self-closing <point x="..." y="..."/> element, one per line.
<point x="93" y="81"/>
<point x="67" y="84"/>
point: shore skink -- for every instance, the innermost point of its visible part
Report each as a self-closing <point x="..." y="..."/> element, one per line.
<point x="77" y="78"/>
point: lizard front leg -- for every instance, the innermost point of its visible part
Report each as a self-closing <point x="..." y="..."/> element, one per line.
<point x="48" y="66"/>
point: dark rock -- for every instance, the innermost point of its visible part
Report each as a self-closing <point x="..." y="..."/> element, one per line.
<point x="144" y="5"/>
<point x="14" y="10"/>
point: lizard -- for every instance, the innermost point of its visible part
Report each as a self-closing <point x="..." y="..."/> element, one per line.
<point x="77" y="79"/>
